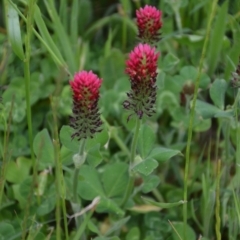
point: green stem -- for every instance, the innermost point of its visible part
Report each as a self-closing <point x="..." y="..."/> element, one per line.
<point x="65" y="218"/>
<point x="81" y="229"/>
<point x="60" y="185"/>
<point x="76" y="172"/>
<point x="218" y="138"/>
<point x="81" y="159"/>
<point x="134" y="143"/>
<point x="192" y="114"/>
<point x="132" y="157"/>
<point x="29" y="22"/>
<point x="178" y="20"/>
<point x="217" y="207"/>
<point x="58" y="198"/>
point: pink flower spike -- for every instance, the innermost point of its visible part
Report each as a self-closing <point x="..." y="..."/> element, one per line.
<point x="141" y="67"/>
<point x="86" y="118"/>
<point x="149" y="22"/>
<point x="142" y="62"/>
<point x="85" y="86"/>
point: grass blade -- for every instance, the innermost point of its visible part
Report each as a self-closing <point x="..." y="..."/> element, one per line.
<point x="14" y="32"/>
<point x="73" y="22"/>
<point x="216" y="39"/>
<point x="62" y="35"/>
<point x="45" y="34"/>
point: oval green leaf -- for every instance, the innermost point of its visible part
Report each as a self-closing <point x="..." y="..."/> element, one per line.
<point x="146" y="167"/>
<point x="217" y="92"/>
<point x="162" y="154"/>
<point x="43" y="148"/>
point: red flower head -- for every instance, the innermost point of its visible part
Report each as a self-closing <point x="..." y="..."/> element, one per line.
<point x="142" y="70"/>
<point x="86" y="118"/>
<point x="149" y="23"/>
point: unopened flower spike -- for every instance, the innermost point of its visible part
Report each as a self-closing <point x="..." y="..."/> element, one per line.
<point x="86" y="117"/>
<point x="141" y="67"/>
<point x="149" y="22"/>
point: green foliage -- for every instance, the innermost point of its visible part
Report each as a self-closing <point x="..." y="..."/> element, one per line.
<point x="217" y="92"/>
<point x="90" y="187"/>
<point x="216" y="41"/>
<point x="17" y="171"/>
<point x="14" y="31"/>
<point x="69" y="36"/>
<point x="43" y="148"/>
<point x="6" y="230"/>
<point x="179" y="228"/>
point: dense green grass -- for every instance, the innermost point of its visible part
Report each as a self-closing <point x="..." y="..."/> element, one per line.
<point x="185" y="159"/>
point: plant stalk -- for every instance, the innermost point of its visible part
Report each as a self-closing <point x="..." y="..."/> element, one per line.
<point x="192" y="114"/>
<point x="132" y="157"/>
<point x="60" y="185"/>
<point x="217" y="207"/>
<point x="27" y="79"/>
<point x="82" y="157"/>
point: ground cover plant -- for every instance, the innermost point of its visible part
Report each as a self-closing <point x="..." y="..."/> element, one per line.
<point x="119" y="119"/>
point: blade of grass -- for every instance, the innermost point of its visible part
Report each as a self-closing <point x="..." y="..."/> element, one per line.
<point x="45" y="33"/>
<point x="62" y="35"/>
<point x="237" y="205"/>
<point x="54" y="56"/>
<point x="110" y="19"/>
<point x="14" y="32"/>
<point x="234" y="53"/>
<point x="73" y="21"/>
<point x="216" y="40"/>
<point x="63" y="12"/>
<point x="192" y="113"/>
<point x="5" y="155"/>
<point x="126" y="11"/>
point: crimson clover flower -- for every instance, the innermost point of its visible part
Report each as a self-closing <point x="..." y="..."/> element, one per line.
<point x="86" y="117"/>
<point x="149" y="22"/>
<point x="141" y="67"/>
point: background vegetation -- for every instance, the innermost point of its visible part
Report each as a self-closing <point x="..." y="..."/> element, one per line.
<point x="43" y="43"/>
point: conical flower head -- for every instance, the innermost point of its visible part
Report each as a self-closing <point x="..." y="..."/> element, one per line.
<point x="141" y="67"/>
<point x="86" y="118"/>
<point x="149" y="22"/>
